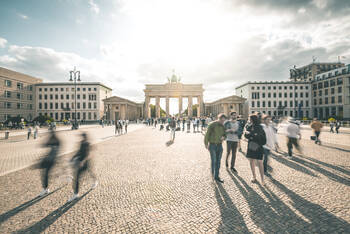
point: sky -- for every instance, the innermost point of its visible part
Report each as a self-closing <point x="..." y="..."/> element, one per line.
<point x="127" y="43"/>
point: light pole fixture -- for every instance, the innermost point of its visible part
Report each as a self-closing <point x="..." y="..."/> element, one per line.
<point x="75" y="76"/>
<point x="295" y="70"/>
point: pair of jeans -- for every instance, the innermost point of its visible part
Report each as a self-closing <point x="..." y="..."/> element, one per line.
<point x="231" y="146"/>
<point x="266" y="158"/>
<point x="317" y="135"/>
<point x="215" y="155"/>
<point x="292" y="141"/>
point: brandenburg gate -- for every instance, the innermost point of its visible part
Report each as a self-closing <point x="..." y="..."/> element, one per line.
<point x="173" y="89"/>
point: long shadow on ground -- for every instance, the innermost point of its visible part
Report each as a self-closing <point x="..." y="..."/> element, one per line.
<point x="5" y="216"/>
<point x="320" y="220"/>
<point x="52" y="217"/>
<point x="232" y="220"/>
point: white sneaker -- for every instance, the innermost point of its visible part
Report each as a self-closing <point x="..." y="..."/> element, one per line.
<point x="94" y="185"/>
<point x="44" y="192"/>
<point x="75" y="196"/>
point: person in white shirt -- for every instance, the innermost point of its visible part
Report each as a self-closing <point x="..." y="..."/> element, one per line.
<point x="29" y="132"/>
<point x="36" y="131"/>
<point x="271" y="140"/>
<point x="231" y="129"/>
<point x="293" y="135"/>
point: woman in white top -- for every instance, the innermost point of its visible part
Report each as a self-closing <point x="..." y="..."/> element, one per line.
<point x="271" y="140"/>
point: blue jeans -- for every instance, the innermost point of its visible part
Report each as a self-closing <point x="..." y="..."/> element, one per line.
<point x="215" y="155"/>
<point x="266" y="158"/>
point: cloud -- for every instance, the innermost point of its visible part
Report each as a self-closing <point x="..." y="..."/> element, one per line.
<point x="3" y="42"/>
<point x="94" y="7"/>
<point x="25" y="17"/>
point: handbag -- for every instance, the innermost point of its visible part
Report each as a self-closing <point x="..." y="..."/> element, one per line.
<point x="253" y="146"/>
<point x="313" y="138"/>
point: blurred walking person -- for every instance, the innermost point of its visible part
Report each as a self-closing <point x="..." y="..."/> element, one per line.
<point x="29" y="132"/>
<point x="81" y="163"/>
<point x="172" y="125"/>
<point x="36" y="131"/>
<point x="126" y="126"/>
<point x="331" y="125"/>
<point x="231" y="129"/>
<point x="256" y="139"/>
<point x="271" y="140"/>
<point x="317" y="126"/>
<point x="337" y="126"/>
<point x="188" y="125"/>
<point x="293" y="136"/>
<point x="48" y="162"/>
<point x="213" y="139"/>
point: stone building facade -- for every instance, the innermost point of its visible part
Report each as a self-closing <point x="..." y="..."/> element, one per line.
<point x="117" y="108"/>
<point x="331" y="94"/>
<point x="57" y="100"/>
<point x="278" y="98"/>
<point x="226" y="105"/>
<point x="308" y="72"/>
<point x="17" y="95"/>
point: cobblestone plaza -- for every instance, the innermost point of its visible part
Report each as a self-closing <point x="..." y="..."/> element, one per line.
<point x="149" y="187"/>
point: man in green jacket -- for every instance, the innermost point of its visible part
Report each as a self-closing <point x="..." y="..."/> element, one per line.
<point x="213" y="142"/>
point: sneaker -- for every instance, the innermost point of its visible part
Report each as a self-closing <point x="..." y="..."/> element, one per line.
<point x="44" y="192"/>
<point x="75" y="196"/>
<point x="290" y="157"/>
<point x="267" y="174"/>
<point x="94" y="185"/>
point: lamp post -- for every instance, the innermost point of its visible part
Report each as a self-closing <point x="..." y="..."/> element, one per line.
<point x="295" y="70"/>
<point x="75" y="76"/>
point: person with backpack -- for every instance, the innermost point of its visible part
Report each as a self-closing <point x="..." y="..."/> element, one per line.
<point x="256" y="139"/>
<point x="172" y="125"/>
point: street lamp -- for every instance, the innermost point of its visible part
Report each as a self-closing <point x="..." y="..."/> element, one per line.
<point x="75" y="76"/>
<point x="295" y="81"/>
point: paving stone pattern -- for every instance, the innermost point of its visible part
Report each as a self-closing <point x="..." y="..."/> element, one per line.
<point x="149" y="187"/>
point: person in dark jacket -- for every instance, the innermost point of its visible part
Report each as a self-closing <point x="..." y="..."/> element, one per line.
<point x="256" y="139"/>
<point x="81" y="163"/>
<point x="49" y="161"/>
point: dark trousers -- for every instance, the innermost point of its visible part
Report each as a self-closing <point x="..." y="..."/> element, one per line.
<point x="79" y="172"/>
<point x="317" y="134"/>
<point x="231" y="147"/>
<point x="266" y="158"/>
<point x="45" y="173"/>
<point x="292" y="141"/>
<point x="215" y="155"/>
<point x="28" y="136"/>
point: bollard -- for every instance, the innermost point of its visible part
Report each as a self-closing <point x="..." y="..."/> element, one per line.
<point x="7" y="134"/>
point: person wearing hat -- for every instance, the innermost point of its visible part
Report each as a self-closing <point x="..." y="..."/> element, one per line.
<point x="293" y="136"/>
<point x="316" y="126"/>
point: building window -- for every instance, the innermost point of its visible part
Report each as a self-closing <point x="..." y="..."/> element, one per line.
<point x="263" y="104"/>
<point x="51" y="89"/>
<point x="319" y="92"/>
<point x="45" y="89"/>
<point x="96" y="89"/>
<point x="78" y="105"/>
<point x="51" y="96"/>
<point x="332" y="83"/>
<point x="269" y="87"/>
<point x="89" y="89"/>
<point x="84" y="89"/>
<point x="285" y="103"/>
<point x="253" y="104"/>
<point x="290" y="87"/>
<point x="279" y="95"/>
<point x="291" y="104"/>
<point x="78" y="96"/>
<point x="268" y="95"/>
<point x="269" y="103"/>
<point x="279" y="87"/>
<point x="274" y="87"/>
<point x="326" y="92"/>
<point x="62" y="96"/>
<point x="320" y="86"/>
<point x="315" y="102"/>
<point x="56" y="106"/>
<point x="19" y="96"/>
<point x="339" y="89"/>
<point x="339" y="81"/>
<point x="320" y="101"/>
<point x="8" y="94"/>
<point x="285" y="95"/>
<point x="95" y="105"/>
<point x="333" y="100"/>
<point x="301" y="95"/>
<point x="8" y="105"/>
<point x="56" y="89"/>
<point x="325" y="84"/>
<point x="263" y="95"/>
<point x="84" y="105"/>
<point x="78" y="89"/>
<point x="19" y="105"/>
<point x="45" y="106"/>
<point x="307" y="103"/>
<point x="40" y="105"/>
<point x="84" y="96"/>
<point x="290" y="95"/>
<point x="56" y="116"/>
<point x="257" y="104"/>
<point x="89" y="114"/>
<point x="62" y="105"/>
<point x="61" y="89"/>
<point x="332" y="90"/>
<point x="19" y="86"/>
<point x="296" y="95"/>
<point x="340" y="100"/>
<point x="326" y="100"/>
<point x="45" y="96"/>
<point x="56" y="96"/>
<point x="274" y="104"/>
<point x="51" y="106"/>
<point x="8" y="83"/>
